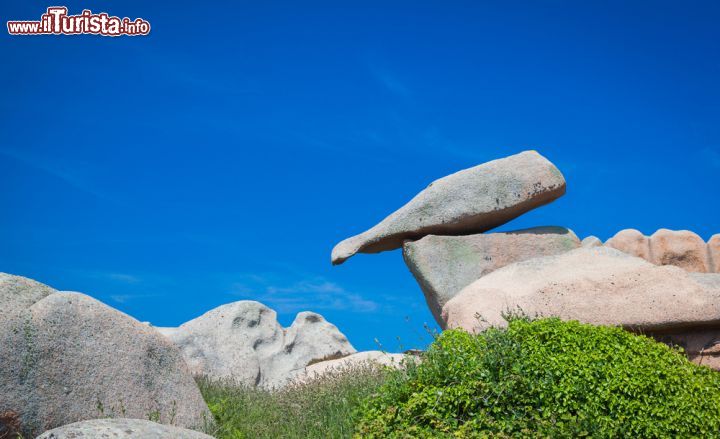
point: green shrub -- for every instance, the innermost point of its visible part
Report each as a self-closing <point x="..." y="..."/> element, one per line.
<point x="546" y="378"/>
<point x="319" y="408"/>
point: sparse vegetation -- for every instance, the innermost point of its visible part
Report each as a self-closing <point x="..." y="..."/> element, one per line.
<point x="319" y="408"/>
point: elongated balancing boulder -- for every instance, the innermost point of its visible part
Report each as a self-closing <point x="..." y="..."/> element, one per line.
<point x="470" y="201"/>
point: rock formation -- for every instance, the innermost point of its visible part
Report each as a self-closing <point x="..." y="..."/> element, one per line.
<point x="67" y="357"/>
<point x="470" y="201"/>
<point x="243" y="341"/>
<point x="348" y="363"/>
<point x="596" y="285"/>
<point x="443" y="265"/>
<point x="662" y="284"/>
<point x="680" y="248"/>
<point x="591" y="241"/>
<point x="714" y="253"/>
<point x="120" y="429"/>
<point x="632" y="242"/>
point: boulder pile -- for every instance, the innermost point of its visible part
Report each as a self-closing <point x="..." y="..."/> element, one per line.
<point x="666" y="285"/>
<point x="443" y="265"/>
<point x="69" y="362"/>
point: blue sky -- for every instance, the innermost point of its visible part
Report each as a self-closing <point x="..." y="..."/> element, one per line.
<point x="221" y="157"/>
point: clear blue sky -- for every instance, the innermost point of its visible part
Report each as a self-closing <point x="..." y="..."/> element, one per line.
<point x="222" y="157"/>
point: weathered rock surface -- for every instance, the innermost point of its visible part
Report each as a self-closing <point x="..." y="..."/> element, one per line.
<point x="632" y="242"/>
<point x="67" y="357"/>
<point x="17" y="295"/>
<point x="470" y="201"/>
<point x="443" y="265"/>
<point x="591" y="241"/>
<point x="681" y="248"/>
<point x="357" y="360"/>
<point x="597" y="285"/>
<point x="711" y="280"/>
<point x="714" y="253"/>
<point x="119" y="429"/>
<point x="243" y="341"/>
<point x="701" y="344"/>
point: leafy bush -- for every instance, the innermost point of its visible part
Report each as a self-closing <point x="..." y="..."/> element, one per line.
<point x="322" y="407"/>
<point x="546" y="378"/>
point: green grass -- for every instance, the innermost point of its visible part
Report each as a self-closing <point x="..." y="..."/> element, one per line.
<point x="320" y="408"/>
